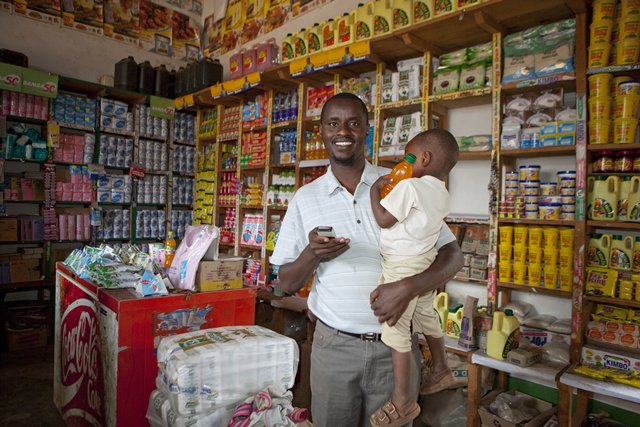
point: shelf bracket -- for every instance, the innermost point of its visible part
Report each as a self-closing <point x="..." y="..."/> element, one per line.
<point x="421" y="45"/>
<point x="577" y="6"/>
<point x="488" y="24"/>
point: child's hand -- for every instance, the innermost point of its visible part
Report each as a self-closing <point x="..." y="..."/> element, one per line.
<point x="377" y="186"/>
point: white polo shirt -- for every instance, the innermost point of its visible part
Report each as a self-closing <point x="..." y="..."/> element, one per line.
<point x="340" y="292"/>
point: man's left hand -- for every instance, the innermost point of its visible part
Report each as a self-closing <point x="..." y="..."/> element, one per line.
<point x="390" y="300"/>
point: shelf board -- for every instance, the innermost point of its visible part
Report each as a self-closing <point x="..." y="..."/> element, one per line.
<point x="470" y="280"/>
<point x="115" y="132"/>
<point x="127" y="96"/>
<point x="21" y="242"/>
<point x="613" y="301"/>
<point x="284" y="124"/>
<point x="451" y="346"/>
<point x="277" y="208"/>
<point x="606" y="388"/>
<point x="618" y="225"/>
<point x="227" y="170"/>
<point x="226" y="206"/>
<point x="120" y="168"/>
<point x="615" y="69"/>
<point x="150" y="204"/>
<point x="114" y="204"/>
<point x="537" y="222"/>
<point x="251" y="247"/>
<point x="228" y="138"/>
<point x="313" y="163"/>
<point x="563" y="80"/>
<point x="401" y="108"/>
<point x="283" y="166"/>
<point x="468" y="219"/>
<point x="251" y="168"/>
<point x="540" y="373"/>
<point x="29" y="120"/>
<point x="154" y="138"/>
<point x="474" y="155"/>
<point x="62" y="203"/>
<point x="76" y="127"/>
<point x="203" y="138"/>
<point x="18" y="202"/>
<point x="312" y="119"/>
<point x="178" y="205"/>
<point x="261" y="128"/>
<point x="535" y="289"/>
<point x="70" y="84"/>
<point x="184" y="174"/>
<point x="24" y="161"/>
<point x="70" y="241"/>
<point x="251" y="207"/>
<point x="185" y="143"/>
<point x="612" y="147"/>
<point x="36" y="284"/>
<point x="560" y="150"/>
<point x="68" y="164"/>
<point x="622" y="174"/>
<point x="466" y="98"/>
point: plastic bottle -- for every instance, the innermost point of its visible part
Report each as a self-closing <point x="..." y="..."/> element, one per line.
<point x="300" y="44"/>
<point x="285" y="107"/>
<point x="364" y="21"/>
<point x="169" y="250"/>
<point x="345" y="30"/>
<point x="401" y="171"/>
<point x="504" y="334"/>
<point x="604" y="198"/>
<point x="621" y="252"/>
<point x="382" y="17"/>
<point x="454" y="321"/>
<point x="314" y="38"/>
<point x="633" y="200"/>
<point x="329" y="34"/>
<point x="441" y="305"/>
<point x="287" y="48"/>
<point x="599" y="250"/>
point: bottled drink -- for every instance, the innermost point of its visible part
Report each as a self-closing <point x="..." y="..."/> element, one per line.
<point x="402" y="170"/>
<point x="169" y="250"/>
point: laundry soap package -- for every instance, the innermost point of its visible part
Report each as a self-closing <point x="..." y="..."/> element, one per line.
<point x="214" y="368"/>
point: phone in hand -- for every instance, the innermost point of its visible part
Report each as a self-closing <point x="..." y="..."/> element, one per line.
<point x="326" y="231"/>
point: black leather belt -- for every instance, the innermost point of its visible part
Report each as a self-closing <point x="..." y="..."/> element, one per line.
<point x="369" y="336"/>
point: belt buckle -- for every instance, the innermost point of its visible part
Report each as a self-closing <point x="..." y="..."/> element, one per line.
<point x="369" y="336"/>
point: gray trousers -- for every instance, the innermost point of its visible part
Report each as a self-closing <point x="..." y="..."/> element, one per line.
<point x="351" y="378"/>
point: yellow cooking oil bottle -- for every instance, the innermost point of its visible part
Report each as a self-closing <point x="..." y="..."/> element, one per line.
<point x="287" y="48"/>
<point x="621" y="252"/>
<point x="441" y="306"/>
<point x="599" y="250"/>
<point x="633" y="200"/>
<point x="328" y="34"/>
<point x="603" y="200"/>
<point x="623" y="198"/>
<point x="635" y="264"/>
<point x="314" y="39"/>
<point x="382" y="17"/>
<point x="504" y="334"/>
<point x="422" y="10"/>
<point x="345" y="31"/>
<point x="402" y="15"/>
<point x="363" y="21"/>
<point x="300" y="44"/>
<point x="454" y="321"/>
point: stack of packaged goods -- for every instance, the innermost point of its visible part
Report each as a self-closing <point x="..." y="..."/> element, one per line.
<point x="285" y="107"/>
<point x="613" y="109"/>
<point x="539" y="51"/>
<point x="614" y="326"/>
<point x="229" y="187"/>
<point x="553" y="245"/>
<point x="75" y="110"/>
<point x="184" y="160"/>
<point x="475" y="248"/>
<point x="311" y="174"/>
<point x="273" y="232"/>
<point x="525" y="196"/>
<point x="613" y="266"/>
<point x="254" y="114"/>
<point x="254" y="149"/>
<point x="152" y="155"/>
<point x="180" y="220"/>
<point x="79" y="188"/>
<point x="464" y="69"/>
<point x="28" y="188"/>
<point x="208" y="123"/>
<point x="206" y="158"/>
<point x="183" y="191"/>
<point x="252" y="230"/>
<point x="114" y="224"/>
<point x="24" y="142"/>
<point x="248" y="60"/>
<point x="252" y="190"/>
<point x="31" y="106"/>
<point x="150" y="224"/>
<point x="251" y="275"/>
<point x="612" y="198"/>
<point x="152" y="189"/>
<point x="204" y="375"/>
<point x="150" y="126"/>
<point x="287" y="141"/>
<point x="115" y="151"/>
<point x="614" y="33"/>
<point x="205" y="187"/>
<point x="74" y="226"/>
<point x="23" y="266"/>
<point x="229" y="155"/>
<point x="49" y="214"/>
<point x="184" y="128"/>
<point x="115" y="117"/>
<point x="313" y="146"/>
<point x="363" y="88"/>
<point x="228" y="229"/>
<point x="316" y="97"/>
<point x="114" y="189"/>
<point x="534" y="120"/>
<point x="474" y="143"/>
<point x="282" y="188"/>
<point x="23" y="227"/>
<point x="397" y="132"/>
<point x="230" y="122"/>
<point x="75" y="148"/>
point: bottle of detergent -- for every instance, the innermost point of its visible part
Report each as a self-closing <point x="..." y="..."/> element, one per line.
<point x="504" y="334"/>
<point x="441" y="305"/>
<point x="402" y="170"/>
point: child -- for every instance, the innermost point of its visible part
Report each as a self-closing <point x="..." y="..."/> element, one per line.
<point x="410" y="217"/>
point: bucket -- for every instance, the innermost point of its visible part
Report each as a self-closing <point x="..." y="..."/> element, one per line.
<point x="565" y="259"/>
<point x="599" y="131"/>
<point x="617" y="81"/>
<point x="519" y="254"/>
<point x="506" y="251"/>
<point x="551" y="277"/>
<point x="599" y="108"/>
<point x="550" y="257"/>
<point x="535" y="255"/>
<point x="566" y="238"/>
<point x="599" y="85"/>
<point x="535" y="237"/>
<point x="626" y="106"/>
<point x="604" y="9"/>
<point x="599" y="55"/>
<point x="627" y="51"/>
<point x="535" y="274"/>
<point x="624" y="131"/>
<point x="504" y="271"/>
<point x="630" y="7"/>
<point x="506" y="234"/>
<point x="566" y="279"/>
<point x="519" y="273"/>
<point x="601" y="32"/>
<point x="629" y="27"/>
<point x="520" y="234"/>
<point x="628" y="88"/>
<point x="550" y="238"/>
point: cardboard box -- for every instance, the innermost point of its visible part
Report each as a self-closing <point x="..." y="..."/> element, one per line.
<point x="610" y="359"/>
<point x="26" y="339"/>
<point x="488" y="419"/>
<point x="224" y="273"/>
<point x="478" y="274"/>
<point x="524" y="357"/>
<point x="8" y="229"/>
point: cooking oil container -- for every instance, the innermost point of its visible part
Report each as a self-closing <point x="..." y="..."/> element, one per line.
<point x="599" y="250"/>
<point x="382" y="17"/>
<point x="363" y="20"/>
<point x="603" y="191"/>
<point x="621" y="254"/>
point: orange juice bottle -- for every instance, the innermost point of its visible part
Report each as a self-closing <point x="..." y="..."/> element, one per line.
<point x="402" y="170"/>
<point x="169" y="250"/>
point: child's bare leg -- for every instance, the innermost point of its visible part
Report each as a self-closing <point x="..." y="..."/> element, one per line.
<point x="402" y="397"/>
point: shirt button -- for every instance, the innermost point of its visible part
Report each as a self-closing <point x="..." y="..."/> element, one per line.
<point x="358" y="221"/>
<point x="354" y="202"/>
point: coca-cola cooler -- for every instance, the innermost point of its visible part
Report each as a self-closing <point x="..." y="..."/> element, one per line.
<point x="106" y="341"/>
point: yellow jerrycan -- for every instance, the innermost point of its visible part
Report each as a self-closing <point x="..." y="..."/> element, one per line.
<point x="599" y="250"/>
<point x="603" y="197"/>
<point x="441" y="306"/>
<point x="504" y="334"/>
<point x="454" y="321"/>
<point x="633" y="200"/>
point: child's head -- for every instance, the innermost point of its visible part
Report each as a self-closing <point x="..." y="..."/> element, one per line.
<point x="436" y="152"/>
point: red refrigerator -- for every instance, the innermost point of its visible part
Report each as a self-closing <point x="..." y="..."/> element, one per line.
<point x="106" y="341"/>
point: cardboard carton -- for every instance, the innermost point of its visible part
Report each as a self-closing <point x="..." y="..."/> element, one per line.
<point x="8" y="229"/>
<point x="26" y="339"/>
<point x="546" y="410"/>
<point x="224" y="273"/>
<point x="606" y="358"/>
<point x="524" y="357"/>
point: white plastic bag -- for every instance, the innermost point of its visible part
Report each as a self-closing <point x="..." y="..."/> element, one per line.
<point x="197" y="240"/>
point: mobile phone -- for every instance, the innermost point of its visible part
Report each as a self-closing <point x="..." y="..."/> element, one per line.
<point x="326" y="231"/>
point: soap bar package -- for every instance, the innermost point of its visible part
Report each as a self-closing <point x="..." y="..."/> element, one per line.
<point x="217" y="367"/>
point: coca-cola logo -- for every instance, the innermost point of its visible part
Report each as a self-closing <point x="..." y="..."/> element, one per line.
<point x="81" y="368"/>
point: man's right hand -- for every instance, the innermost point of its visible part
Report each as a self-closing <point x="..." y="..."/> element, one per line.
<point x="327" y="248"/>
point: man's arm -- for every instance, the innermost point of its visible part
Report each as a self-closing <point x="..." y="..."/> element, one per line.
<point x="296" y="274"/>
<point x="389" y="301"/>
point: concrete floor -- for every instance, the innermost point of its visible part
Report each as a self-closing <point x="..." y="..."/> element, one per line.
<point x="26" y="389"/>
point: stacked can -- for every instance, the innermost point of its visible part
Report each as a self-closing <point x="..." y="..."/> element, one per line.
<point x="184" y="159"/>
<point x="567" y="190"/>
<point x="180" y="220"/>
<point x="152" y="155"/>
<point x="184" y="128"/>
<point x="152" y="189"/>
<point x="152" y="127"/>
<point x="72" y="110"/>
<point x="183" y="189"/>
<point x="115" y="151"/>
<point x="114" y="224"/>
<point x="23" y="105"/>
<point x="150" y="224"/>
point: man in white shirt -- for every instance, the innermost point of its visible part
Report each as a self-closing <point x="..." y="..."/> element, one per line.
<point x="351" y="371"/>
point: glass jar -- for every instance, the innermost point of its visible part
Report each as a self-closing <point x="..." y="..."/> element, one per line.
<point x="603" y="162"/>
<point x="624" y="161"/>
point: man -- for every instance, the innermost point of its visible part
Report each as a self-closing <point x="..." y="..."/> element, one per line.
<point x="351" y="372"/>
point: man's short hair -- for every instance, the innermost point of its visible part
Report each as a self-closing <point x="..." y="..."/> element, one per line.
<point x="350" y="97"/>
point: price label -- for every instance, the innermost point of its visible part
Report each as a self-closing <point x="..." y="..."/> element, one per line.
<point x="136" y="172"/>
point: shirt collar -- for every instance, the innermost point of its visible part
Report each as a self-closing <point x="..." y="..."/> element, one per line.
<point x="369" y="176"/>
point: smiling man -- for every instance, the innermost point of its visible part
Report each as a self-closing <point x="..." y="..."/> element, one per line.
<point x="351" y="372"/>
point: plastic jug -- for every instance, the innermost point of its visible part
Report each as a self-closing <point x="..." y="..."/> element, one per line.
<point x="180" y="81"/>
<point x="363" y="20"/>
<point x="504" y="334"/>
<point x="300" y="44"/>
<point x="621" y="252"/>
<point x="422" y="10"/>
<point x="345" y="30"/>
<point x="382" y="17"/>
<point x="623" y="199"/>
<point x="126" y="74"/>
<point x="208" y="72"/>
<point x="633" y="200"/>
<point x="287" y="48"/>
<point x="145" y="78"/>
<point x="454" y="321"/>
<point x="441" y="305"/>
<point x="599" y="250"/>
<point x="190" y="73"/>
<point x="329" y="34"/>
<point x="603" y="197"/>
<point x="161" y="81"/>
<point x="171" y="84"/>
<point x="235" y="65"/>
<point x="402" y="170"/>
<point x="266" y="55"/>
<point x="635" y="265"/>
<point x="314" y="38"/>
<point x="402" y="14"/>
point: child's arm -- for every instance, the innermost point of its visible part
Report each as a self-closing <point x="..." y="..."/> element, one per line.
<point x="383" y="217"/>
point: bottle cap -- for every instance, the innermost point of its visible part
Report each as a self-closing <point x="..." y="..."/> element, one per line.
<point x="508" y="312"/>
<point x="410" y="158"/>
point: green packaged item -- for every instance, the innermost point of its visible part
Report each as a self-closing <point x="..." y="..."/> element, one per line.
<point x="446" y="80"/>
<point x="472" y="76"/>
<point x="479" y="52"/>
<point x="523" y="35"/>
<point x="452" y="59"/>
<point x="558" y="27"/>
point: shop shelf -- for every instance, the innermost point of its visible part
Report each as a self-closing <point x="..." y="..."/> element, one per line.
<point x="127" y="96"/>
<point x="148" y="239"/>
<point x="401" y="108"/>
<point x="539" y="373"/>
<point x="227" y="170"/>
<point x="60" y="203"/>
<point x="24" y="161"/>
<point x="184" y="174"/>
<point x="227" y="245"/>
<point x="468" y="219"/>
<point x="154" y="138"/>
<point x="568" y="150"/>
<point x="284" y="124"/>
<point x="36" y="284"/>
<point x="76" y="127"/>
<point x="312" y="119"/>
<point x="251" y="168"/>
<point x="563" y="80"/>
<point x="621" y="174"/>
<point x="187" y="143"/>
<point x="115" y="132"/>
<point x="19" y="202"/>
<point x="208" y="138"/>
<point x="70" y="84"/>
<point x="536" y="222"/>
<point x="474" y="155"/>
<point x="451" y="346"/>
<point x="612" y="389"/>
<point x="69" y="241"/>
<point x="616" y="69"/>
<point x="251" y="247"/>
<point x="283" y="166"/>
<point x="251" y="207"/>
<point x="613" y="301"/>
<point x="612" y="147"/>
<point x="277" y="208"/>
<point x="28" y="120"/>
<point x="260" y="128"/>
<point x="180" y="206"/>
<point x="21" y="242"/>
<point x="68" y="164"/>
<point x="226" y="205"/>
<point x="313" y="163"/>
<point x="113" y="204"/>
<point x="467" y="98"/>
<point x="228" y="138"/>
<point x="119" y="168"/>
<point x="619" y="225"/>
<point x="470" y="280"/>
<point x="151" y="204"/>
<point x="534" y="289"/>
<point x="123" y="239"/>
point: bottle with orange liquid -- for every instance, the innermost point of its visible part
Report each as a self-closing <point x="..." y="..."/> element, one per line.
<point x="169" y="250"/>
<point x="402" y="170"/>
